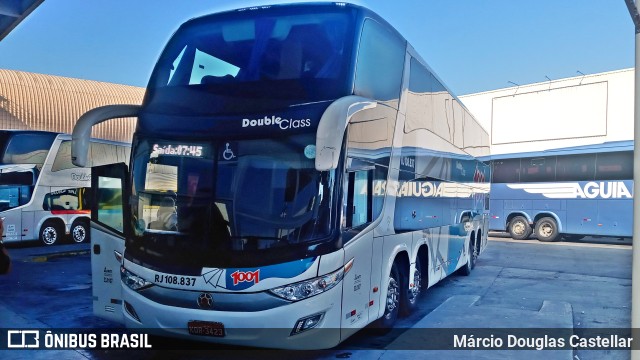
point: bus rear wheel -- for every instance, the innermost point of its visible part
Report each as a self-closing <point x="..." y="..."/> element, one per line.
<point x="79" y="231"/>
<point x="519" y="228"/>
<point x="471" y="260"/>
<point x="547" y="229"/>
<point x="412" y="292"/>
<point x="50" y="233"/>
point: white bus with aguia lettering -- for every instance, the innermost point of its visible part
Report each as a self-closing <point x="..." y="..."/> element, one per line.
<point x="565" y="193"/>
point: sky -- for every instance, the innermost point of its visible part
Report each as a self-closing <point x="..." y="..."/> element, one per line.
<point x="473" y="45"/>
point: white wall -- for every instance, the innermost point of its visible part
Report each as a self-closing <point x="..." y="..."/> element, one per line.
<point x="574" y="111"/>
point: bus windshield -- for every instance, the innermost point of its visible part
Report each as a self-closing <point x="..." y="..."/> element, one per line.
<point x="278" y="59"/>
<point x="16" y="186"/>
<point x="25" y="148"/>
<point x="209" y="201"/>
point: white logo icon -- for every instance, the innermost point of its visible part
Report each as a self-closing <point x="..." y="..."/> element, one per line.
<point x="591" y="190"/>
<point x="21" y="339"/>
<point x="227" y="154"/>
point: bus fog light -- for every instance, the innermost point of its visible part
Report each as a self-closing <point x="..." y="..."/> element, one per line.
<point x="133" y="281"/>
<point x="307" y="323"/>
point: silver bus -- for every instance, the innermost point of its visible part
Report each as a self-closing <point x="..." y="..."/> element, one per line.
<point x="42" y="194"/>
<point x="297" y="173"/>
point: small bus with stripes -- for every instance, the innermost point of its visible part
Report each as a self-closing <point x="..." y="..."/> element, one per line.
<point x="43" y="196"/>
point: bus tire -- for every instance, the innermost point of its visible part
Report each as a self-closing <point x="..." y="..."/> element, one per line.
<point x="471" y="259"/>
<point x="80" y="231"/>
<point x="50" y="232"/>
<point x="547" y="229"/>
<point x="519" y="228"/>
<point x="409" y="302"/>
<point x="392" y="302"/>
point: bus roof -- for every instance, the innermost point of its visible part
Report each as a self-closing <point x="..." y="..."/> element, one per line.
<point x="20" y="131"/>
<point x="60" y="135"/>
<point x="610" y="146"/>
<point x="293" y="8"/>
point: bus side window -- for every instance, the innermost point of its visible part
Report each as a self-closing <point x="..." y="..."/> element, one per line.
<point x="380" y="64"/>
<point x="359" y="198"/>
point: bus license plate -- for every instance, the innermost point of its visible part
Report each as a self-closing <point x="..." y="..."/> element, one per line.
<point x="206" y="328"/>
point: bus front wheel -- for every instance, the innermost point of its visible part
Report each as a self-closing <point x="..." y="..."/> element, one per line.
<point x="519" y="228"/>
<point x="392" y="302"/>
<point x="547" y="229"/>
<point x="50" y="233"/>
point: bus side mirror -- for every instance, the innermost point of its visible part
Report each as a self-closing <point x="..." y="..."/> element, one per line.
<point x="81" y="135"/>
<point x="331" y="129"/>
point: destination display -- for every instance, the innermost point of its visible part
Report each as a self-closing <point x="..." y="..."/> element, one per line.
<point x="178" y="150"/>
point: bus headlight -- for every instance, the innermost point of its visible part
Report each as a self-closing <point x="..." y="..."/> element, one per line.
<point x="133" y="281"/>
<point x="312" y="287"/>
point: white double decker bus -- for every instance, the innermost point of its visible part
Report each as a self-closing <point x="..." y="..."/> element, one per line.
<point x="42" y="194"/>
<point x="297" y="173"/>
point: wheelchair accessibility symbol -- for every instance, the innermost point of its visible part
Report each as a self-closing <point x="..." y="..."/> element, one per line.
<point x="228" y="154"/>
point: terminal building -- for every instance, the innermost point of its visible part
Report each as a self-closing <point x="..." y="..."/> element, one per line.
<point x="561" y="156"/>
<point x="581" y="110"/>
<point x="30" y="101"/>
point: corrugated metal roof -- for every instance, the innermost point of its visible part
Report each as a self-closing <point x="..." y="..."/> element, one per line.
<point x="54" y="103"/>
<point x="12" y="12"/>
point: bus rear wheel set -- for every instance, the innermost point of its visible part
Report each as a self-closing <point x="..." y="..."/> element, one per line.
<point x="402" y="299"/>
<point x="52" y="232"/>
<point x="545" y="229"/>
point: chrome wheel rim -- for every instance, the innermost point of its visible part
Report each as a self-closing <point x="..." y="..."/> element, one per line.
<point x="393" y="295"/>
<point x="417" y="286"/>
<point x="473" y="255"/>
<point x="49" y="235"/>
<point x="79" y="234"/>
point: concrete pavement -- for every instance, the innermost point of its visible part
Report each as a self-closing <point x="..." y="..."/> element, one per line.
<point x="515" y="285"/>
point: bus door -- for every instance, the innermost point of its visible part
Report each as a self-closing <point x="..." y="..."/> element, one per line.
<point x="107" y="239"/>
<point x="12" y="225"/>
<point x="27" y="225"/>
<point x="497" y="220"/>
<point x="615" y="217"/>
<point x="582" y="217"/>
<point x="356" y="284"/>
<point x="356" y="290"/>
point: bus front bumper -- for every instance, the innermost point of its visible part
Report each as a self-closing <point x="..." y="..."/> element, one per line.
<point x="272" y="328"/>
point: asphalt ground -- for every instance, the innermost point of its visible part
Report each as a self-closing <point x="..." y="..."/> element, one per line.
<point x="513" y="283"/>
